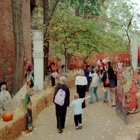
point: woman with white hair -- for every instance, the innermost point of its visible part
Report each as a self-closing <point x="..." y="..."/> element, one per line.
<point x="81" y="83"/>
<point x="62" y="110"/>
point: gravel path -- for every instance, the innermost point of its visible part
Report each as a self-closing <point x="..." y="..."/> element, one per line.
<point x="99" y="123"/>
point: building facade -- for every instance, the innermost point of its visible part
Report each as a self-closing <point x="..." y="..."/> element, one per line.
<point x="7" y="51"/>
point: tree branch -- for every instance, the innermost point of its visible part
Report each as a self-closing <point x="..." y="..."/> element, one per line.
<point x="107" y="20"/>
<point x="50" y="15"/>
<point x="129" y="40"/>
<point x="53" y="9"/>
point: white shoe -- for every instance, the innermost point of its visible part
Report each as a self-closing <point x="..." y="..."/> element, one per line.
<point x="77" y="127"/>
<point x="80" y="126"/>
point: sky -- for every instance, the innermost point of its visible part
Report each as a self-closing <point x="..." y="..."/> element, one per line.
<point x="136" y="1"/>
<point x="137" y="11"/>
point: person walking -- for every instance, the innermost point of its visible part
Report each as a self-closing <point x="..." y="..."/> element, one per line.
<point x="50" y="70"/>
<point x="112" y="86"/>
<point x="81" y="83"/>
<point x="86" y="72"/>
<point x="105" y="86"/>
<point x="77" y="106"/>
<point x="101" y="75"/>
<point x="61" y="71"/>
<point x="62" y="110"/>
<point x="94" y="86"/>
<point x="102" y="64"/>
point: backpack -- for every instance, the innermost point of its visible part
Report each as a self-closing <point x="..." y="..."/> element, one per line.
<point x="60" y="97"/>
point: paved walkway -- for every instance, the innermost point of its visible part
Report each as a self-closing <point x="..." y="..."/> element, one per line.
<point x="99" y="123"/>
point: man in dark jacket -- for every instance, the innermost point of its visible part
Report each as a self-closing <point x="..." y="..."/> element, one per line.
<point x="87" y="71"/>
<point x="62" y="110"/>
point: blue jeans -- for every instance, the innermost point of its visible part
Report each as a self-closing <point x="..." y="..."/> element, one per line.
<point x="93" y="91"/>
<point x="105" y="95"/>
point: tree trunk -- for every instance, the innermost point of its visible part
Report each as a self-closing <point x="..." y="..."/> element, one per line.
<point x="65" y="53"/>
<point x="47" y="18"/>
<point x="19" y="46"/>
<point x="68" y="60"/>
<point x="45" y="10"/>
<point x="46" y="42"/>
<point x="85" y="14"/>
<point x="77" y="11"/>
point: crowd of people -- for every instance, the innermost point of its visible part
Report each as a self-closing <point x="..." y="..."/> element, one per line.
<point x="54" y="73"/>
<point x="94" y="75"/>
<point x="87" y="81"/>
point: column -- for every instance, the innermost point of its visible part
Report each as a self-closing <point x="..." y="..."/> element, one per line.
<point x="38" y="56"/>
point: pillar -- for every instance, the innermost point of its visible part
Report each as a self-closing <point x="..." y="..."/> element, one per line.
<point x="38" y="56"/>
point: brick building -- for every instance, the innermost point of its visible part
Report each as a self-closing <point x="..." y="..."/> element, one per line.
<point x="7" y="52"/>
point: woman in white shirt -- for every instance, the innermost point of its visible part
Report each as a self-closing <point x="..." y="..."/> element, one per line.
<point x="81" y="83"/>
<point x="94" y="86"/>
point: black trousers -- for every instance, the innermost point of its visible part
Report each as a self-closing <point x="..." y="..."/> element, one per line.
<point x="60" y="116"/>
<point x="87" y="86"/>
<point x="78" y="119"/>
<point x="53" y="81"/>
<point x="81" y="90"/>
